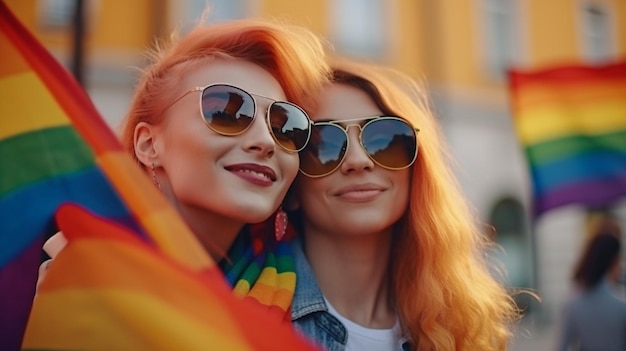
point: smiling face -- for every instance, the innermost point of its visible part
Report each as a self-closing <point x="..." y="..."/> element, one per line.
<point x="240" y="178"/>
<point x="360" y="197"/>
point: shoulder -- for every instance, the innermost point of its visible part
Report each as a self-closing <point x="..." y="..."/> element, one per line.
<point x="307" y="297"/>
<point x="615" y="293"/>
<point x="309" y="312"/>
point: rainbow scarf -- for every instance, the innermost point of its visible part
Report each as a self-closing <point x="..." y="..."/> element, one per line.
<point x="261" y="269"/>
<point x="571" y="121"/>
<point x="132" y="277"/>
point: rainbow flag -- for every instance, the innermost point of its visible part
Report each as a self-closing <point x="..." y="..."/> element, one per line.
<point x="111" y="291"/>
<point x="133" y="277"/>
<point x="571" y="122"/>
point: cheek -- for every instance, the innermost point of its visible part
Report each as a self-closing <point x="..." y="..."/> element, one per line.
<point x="289" y="164"/>
<point x="310" y="194"/>
<point x="196" y="141"/>
<point x="188" y="155"/>
<point x="402" y="183"/>
<point x="181" y="136"/>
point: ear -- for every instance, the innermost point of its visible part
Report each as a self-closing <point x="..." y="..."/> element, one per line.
<point x="145" y="145"/>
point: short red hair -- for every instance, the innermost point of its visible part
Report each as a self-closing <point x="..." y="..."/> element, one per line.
<point x="292" y="54"/>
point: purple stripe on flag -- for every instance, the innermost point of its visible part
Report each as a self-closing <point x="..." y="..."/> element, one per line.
<point x="595" y="193"/>
<point x="17" y="282"/>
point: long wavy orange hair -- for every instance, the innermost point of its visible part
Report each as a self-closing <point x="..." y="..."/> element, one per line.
<point x="443" y="291"/>
<point x="292" y="54"/>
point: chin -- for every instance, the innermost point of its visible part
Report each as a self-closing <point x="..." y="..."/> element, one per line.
<point x="256" y="219"/>
<point x="363" y="227"/>
<point x="255" y="214"/>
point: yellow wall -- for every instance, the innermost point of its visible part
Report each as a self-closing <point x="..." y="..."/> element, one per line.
<point x="26" y="12"/>
<point x="442" y="40"/>
<point x="619" y="7"/>
<point x="451" y="53"/>
<point x="439" y="39"/>
<point x="555" y="30"/>
<point x="552" y="32"/>
<point x="111" y="25"/>
<point x="414" y="52"/>
<point x="311" y="14"/>
<point x="459" y="35"/>
<point x="123" y="24"/>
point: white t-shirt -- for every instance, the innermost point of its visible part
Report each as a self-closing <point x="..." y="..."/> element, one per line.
<point x="361" y="338"/>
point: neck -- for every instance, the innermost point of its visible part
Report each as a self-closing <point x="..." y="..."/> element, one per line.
<point x="216" y="233"/>
<point x="352" y="272"/>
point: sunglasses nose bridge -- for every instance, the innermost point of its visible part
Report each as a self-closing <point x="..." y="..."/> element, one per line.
<point x="259" y="136"/>
<point x="262" y="104"/>
<point x="355" y="158"/>
<point x="357" y="137"/>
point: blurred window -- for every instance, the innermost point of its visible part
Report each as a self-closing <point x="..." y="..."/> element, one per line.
<point x="56" y="13"/>
<point x="596" y="33"/>
<point x="500" y="40"/>
<point x="511" y="233"/>
<point x="359" y="27"/>
<point x="219" y="10"/>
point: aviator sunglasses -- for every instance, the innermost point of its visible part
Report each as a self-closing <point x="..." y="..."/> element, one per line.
<point x="389" y="141"/>
<point x="230" y="111"/>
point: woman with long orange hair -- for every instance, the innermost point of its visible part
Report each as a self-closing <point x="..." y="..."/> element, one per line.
<point x="390" y="256"/>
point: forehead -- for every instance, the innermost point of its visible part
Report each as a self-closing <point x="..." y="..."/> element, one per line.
<point x="342" y="102"/>
<point x="243" y="74"/>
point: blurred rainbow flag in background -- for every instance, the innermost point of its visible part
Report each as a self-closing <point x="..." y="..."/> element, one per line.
<point x="133" y="277"/>
<point x="571" y="122"/>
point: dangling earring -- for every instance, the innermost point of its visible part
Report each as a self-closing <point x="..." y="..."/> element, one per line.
<point x="154" y="177"/>
<point x="280" y="224"/>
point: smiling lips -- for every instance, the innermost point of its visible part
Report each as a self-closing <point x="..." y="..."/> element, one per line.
<point x="359" y="193"/>
<point x="254" y="173"/>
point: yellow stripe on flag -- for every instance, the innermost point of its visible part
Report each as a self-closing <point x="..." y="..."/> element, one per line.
<point x="553" y="122"/>
<point x="24" y="113"/>
<point x="166" y="329"/>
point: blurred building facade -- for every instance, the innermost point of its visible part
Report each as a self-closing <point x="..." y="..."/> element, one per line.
<point x="461" y="49"/>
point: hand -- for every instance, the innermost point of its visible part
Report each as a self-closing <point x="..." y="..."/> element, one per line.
<point x="52" y="247"/>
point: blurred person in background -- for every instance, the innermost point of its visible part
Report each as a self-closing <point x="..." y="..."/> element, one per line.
<point x="595" y="315"/>
<point x="389" y="256"/>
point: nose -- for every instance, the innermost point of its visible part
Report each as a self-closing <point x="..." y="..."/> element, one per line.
<point x="257" y="138"/>
<point x="356" y="159"/>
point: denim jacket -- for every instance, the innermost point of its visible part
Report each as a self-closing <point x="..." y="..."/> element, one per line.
<point x="309" y="312"/>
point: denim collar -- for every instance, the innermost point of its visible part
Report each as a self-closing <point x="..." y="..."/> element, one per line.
<point x="308" y="297"/>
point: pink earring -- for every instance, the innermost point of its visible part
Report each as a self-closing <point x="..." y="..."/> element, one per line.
<point x="280" y="224"/>
<point x="154" y="178"/>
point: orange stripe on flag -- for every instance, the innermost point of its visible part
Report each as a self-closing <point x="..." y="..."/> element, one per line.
<point x="153" y="211"/>
<point x="534" y="96"/>
<point x="11" y="62"/>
